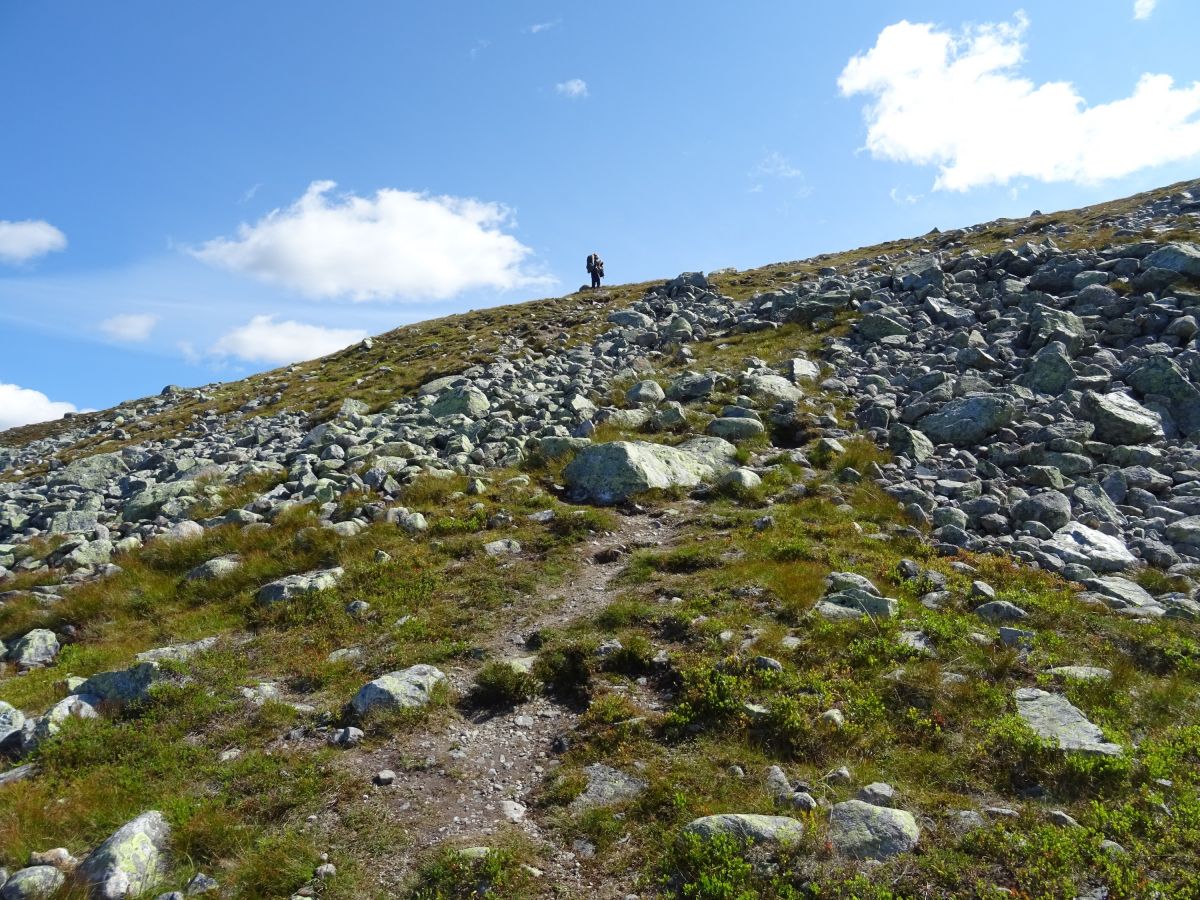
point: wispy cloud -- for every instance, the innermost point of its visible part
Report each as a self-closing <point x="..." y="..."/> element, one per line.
<point x="478" y="47"/>
<point x="539" y="27"/>
<point x="776" y="165"/>
<point x="129" y="327"/>
<point x="393" y="245"/>
<point x="1142" y="9"/>
<point x="572" y="89"/>
<point x="263" y="339"/>
<point x="29" y="239"/>
<point x="250" y="192"/>
<point x="903" y="198"/>
<point x="915" y="72"/>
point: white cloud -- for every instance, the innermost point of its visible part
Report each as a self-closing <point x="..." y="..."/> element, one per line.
<point x="395" y="245"/>
<point x="1143" y="8"/>
<point x="263" y="339"/>
<point x="22" y="406"/>
<point x="539" y="27"/>
<point x="129" y="327"/>
<point x="23" y="241"/>
<point x="957" y="101"/>
<point x="573" y="89"/>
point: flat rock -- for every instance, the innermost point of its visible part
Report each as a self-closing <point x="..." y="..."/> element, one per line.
<point x="606" y="786"/>
<point x="1053" y="718"/>
<point x="1076" y="543"/>
<point x="749" y="828"/>
<point x="616" y="471"/>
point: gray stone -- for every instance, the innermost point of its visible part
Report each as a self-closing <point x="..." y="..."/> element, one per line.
<point x="735" y="429"/>
<point x="910" y="443"/>
<point x="968" y="420"/>
<point x="1080" y="673"/>
<point x="1050" y="508"/>
<point x="770" y="388"/>
<point x="219" y="567"/>
<point x="645" y="392"/>
<point x="1000" y="611"/>
<point x="614" y="472"/>
<point x="288" y="588"/>
<point x="1181" y="258"/>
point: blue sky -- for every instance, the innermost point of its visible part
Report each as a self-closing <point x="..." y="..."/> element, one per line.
<point x="194" y="191"/>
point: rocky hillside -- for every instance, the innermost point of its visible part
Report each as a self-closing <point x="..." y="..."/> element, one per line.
<point x="874" y="575"/>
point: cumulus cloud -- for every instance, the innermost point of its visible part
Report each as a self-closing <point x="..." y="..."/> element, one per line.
<point x="956" y="100"/>
<point x="22" y="406"/>
<point x="23" y="241"/>
<point x="1143" y="8"/>
<point x="572" y="89"/>
<point x="394" y="245"/>
<point x="263" y="339"/>
<point x="129" y="327"/>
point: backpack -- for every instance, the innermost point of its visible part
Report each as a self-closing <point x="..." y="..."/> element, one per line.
<point x="591" y="262"/>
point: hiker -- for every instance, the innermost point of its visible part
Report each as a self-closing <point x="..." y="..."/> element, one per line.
<point x="595" y="267"/>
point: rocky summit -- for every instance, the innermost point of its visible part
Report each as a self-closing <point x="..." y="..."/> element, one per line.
<point x="871" y="575"/>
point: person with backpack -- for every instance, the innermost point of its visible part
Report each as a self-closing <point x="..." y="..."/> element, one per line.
<point x="595" y="267"/>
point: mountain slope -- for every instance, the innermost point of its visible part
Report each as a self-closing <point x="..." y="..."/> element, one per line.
<point x="886" y="555"/>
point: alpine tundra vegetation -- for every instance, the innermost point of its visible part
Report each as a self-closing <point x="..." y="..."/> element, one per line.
<point x="872" y="575"/>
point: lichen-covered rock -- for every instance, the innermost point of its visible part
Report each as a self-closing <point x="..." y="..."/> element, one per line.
<point x="749" y="828"/>
<point x="33" y="883"/>
<point x="131" y="861"/>
<point x="463" y="401"/>
<point x="861" y="830"/>
<point x="406" y="689"/>
<point x="219" y="567"/>
<point x="36" y="648"/>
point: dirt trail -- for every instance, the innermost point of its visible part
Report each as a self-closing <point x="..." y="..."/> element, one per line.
<point x="452" y="783"/>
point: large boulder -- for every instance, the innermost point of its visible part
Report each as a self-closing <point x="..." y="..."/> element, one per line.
<point x="918" y="273"/>
<point x="131" y="861"/>
<point x="748" y="828"/>
<point x="406" y="689"/>
<point x="614" y="472"/>
<point x="1185" y="533"/>
<point x="12" y="720"/>
<point x="968" y="420"/>
<point x="1054" y="719"/>
<point x="861" y="830"/>
<point x="1161" y="377"/>
<point x="1119" y="419"/>
<point x="1048" y="325"/>
<point x="1076" y="543"/>
<point x="464" y="401"/>
<point x="1181" y="258"/>
<point x="91" y="472"/>
<point x="1050" y="508"/>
